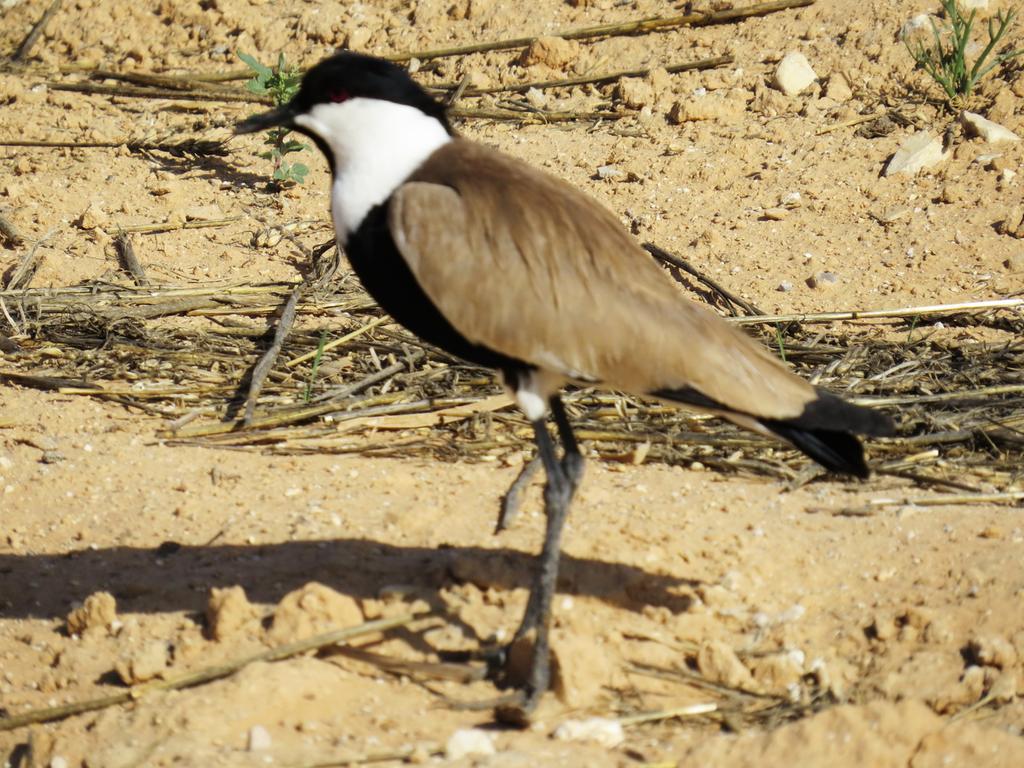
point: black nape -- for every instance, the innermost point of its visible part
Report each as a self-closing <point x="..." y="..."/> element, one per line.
<point x="359" y="76"/>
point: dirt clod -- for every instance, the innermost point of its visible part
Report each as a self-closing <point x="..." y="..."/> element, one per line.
<point x="95" y="616"/>
<point x="311" y="610"/>
<point x="229" y="612"/>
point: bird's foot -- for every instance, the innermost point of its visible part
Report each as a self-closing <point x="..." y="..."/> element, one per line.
<point x="520" y="665"/>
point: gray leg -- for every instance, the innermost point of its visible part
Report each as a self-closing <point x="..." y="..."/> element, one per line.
<point x="562" y="477"/>
<point x="572" y="460"/>
<point x="572" y="464"/>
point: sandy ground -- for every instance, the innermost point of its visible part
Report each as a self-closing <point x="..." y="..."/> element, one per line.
<point x="901" y="620"/>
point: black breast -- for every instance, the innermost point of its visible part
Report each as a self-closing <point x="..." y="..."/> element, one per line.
<point x="387" y="278"/>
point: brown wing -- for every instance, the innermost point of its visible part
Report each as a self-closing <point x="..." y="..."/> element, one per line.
<point x="526" y="264"/>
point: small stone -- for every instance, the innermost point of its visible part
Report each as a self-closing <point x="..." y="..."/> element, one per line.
<point x="259" y="739"/>
<point x="991" y="132"/>
<point x="552" y="51"/>
<point x="58" y="762"/>
<point x="1013" y="223"/>
<point x="210" y="212"/>
<point x="148" y="663"/>
<point x="165" y="187"/>
<point x="991" y="532"/>
<point x="1004" y="689"/>
<point x="920" y="151"/>
<point x="823" y="280"/>
<point x="951" y="193"/>
<point x="973" y="682"/>
<point x="784" y="287"/>
<point x="993" y="651"/>
<point x="715" y="108"/>
<point x="609" y="172"/>
<point x="95" y="615"/>
<point x="229" y="612"/>
<point x="1014" y="262"/>
<point x="598" y="730"/>
<point x="537" y="98"/>
<point x="774" y="214"/>
<point x="719" y="663"/>
<point x="468" y="741"/>
<point x="770" y="102"/>
<point x="357" y="39"/>
<point x="884" y="626"/>
<point x="794" y="73"/>
<point x="973" y="5"/>
<point x="52" y="457"/>
<point x="891" y="215"/>
<point x="777" y="672"/>
<point x="635" y="92"/>
<point x="93" y="217"/>
<point x="838" y="88"/>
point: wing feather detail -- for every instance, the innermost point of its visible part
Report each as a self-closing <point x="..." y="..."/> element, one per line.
<point x="527" y="265"/>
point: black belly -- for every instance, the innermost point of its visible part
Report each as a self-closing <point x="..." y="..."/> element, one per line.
<point x="387" y="278"/>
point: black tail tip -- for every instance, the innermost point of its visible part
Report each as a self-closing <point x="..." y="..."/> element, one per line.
<point x="836" y="451"/>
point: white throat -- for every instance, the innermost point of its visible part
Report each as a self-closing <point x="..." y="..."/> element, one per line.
<point x="376" y="146"/>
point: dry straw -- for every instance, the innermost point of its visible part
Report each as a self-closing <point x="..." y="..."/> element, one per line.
<point x="378" y="390"/>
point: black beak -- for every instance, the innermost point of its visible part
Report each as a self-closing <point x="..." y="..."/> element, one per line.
<point x="282" y="116"/>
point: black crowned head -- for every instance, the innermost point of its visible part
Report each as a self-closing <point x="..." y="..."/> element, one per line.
<point x="343" y="77"/>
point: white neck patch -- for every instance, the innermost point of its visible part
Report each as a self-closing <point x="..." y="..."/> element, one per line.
<point x="376" y="144"/>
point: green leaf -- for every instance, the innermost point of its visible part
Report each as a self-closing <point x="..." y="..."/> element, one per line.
<point x="291" y="146"/>
<point x="261" y="69"/>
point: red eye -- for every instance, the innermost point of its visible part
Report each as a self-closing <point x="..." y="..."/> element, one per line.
<point x="339" y="95"/>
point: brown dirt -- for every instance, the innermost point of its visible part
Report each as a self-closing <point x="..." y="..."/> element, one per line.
<point x="903" y="618"/>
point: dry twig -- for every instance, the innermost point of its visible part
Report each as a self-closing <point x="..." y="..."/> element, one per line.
<point x="710" y="63"/>
<point x="37" y="29"/>
<point x="266" y="362"/>
<point x="206" y="675"/>
<point x="129" y="261"/>
<point x="635" y="27"/>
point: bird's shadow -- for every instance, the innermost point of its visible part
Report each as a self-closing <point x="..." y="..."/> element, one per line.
<point x="178" y="578"/>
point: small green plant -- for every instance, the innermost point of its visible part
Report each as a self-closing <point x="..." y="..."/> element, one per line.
<point x="281" y="83"/>
<point x="308" y="393"/>
<point x="945" y="57"/>
<point x="780" y="341"/>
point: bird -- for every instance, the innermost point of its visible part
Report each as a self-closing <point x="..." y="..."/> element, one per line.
<point x="513" y="269"/>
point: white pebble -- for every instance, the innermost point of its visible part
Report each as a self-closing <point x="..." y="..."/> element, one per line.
<point x="259" y="739"/>
<point x="991" y="132"/>
<point x="794" y="73"/>
<point x="58" y="762"/>
<point x="794" y="613"/>
<point x="600" y="730"/>
<point x="920" y="151"/>
<point x="468" y="741"/>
